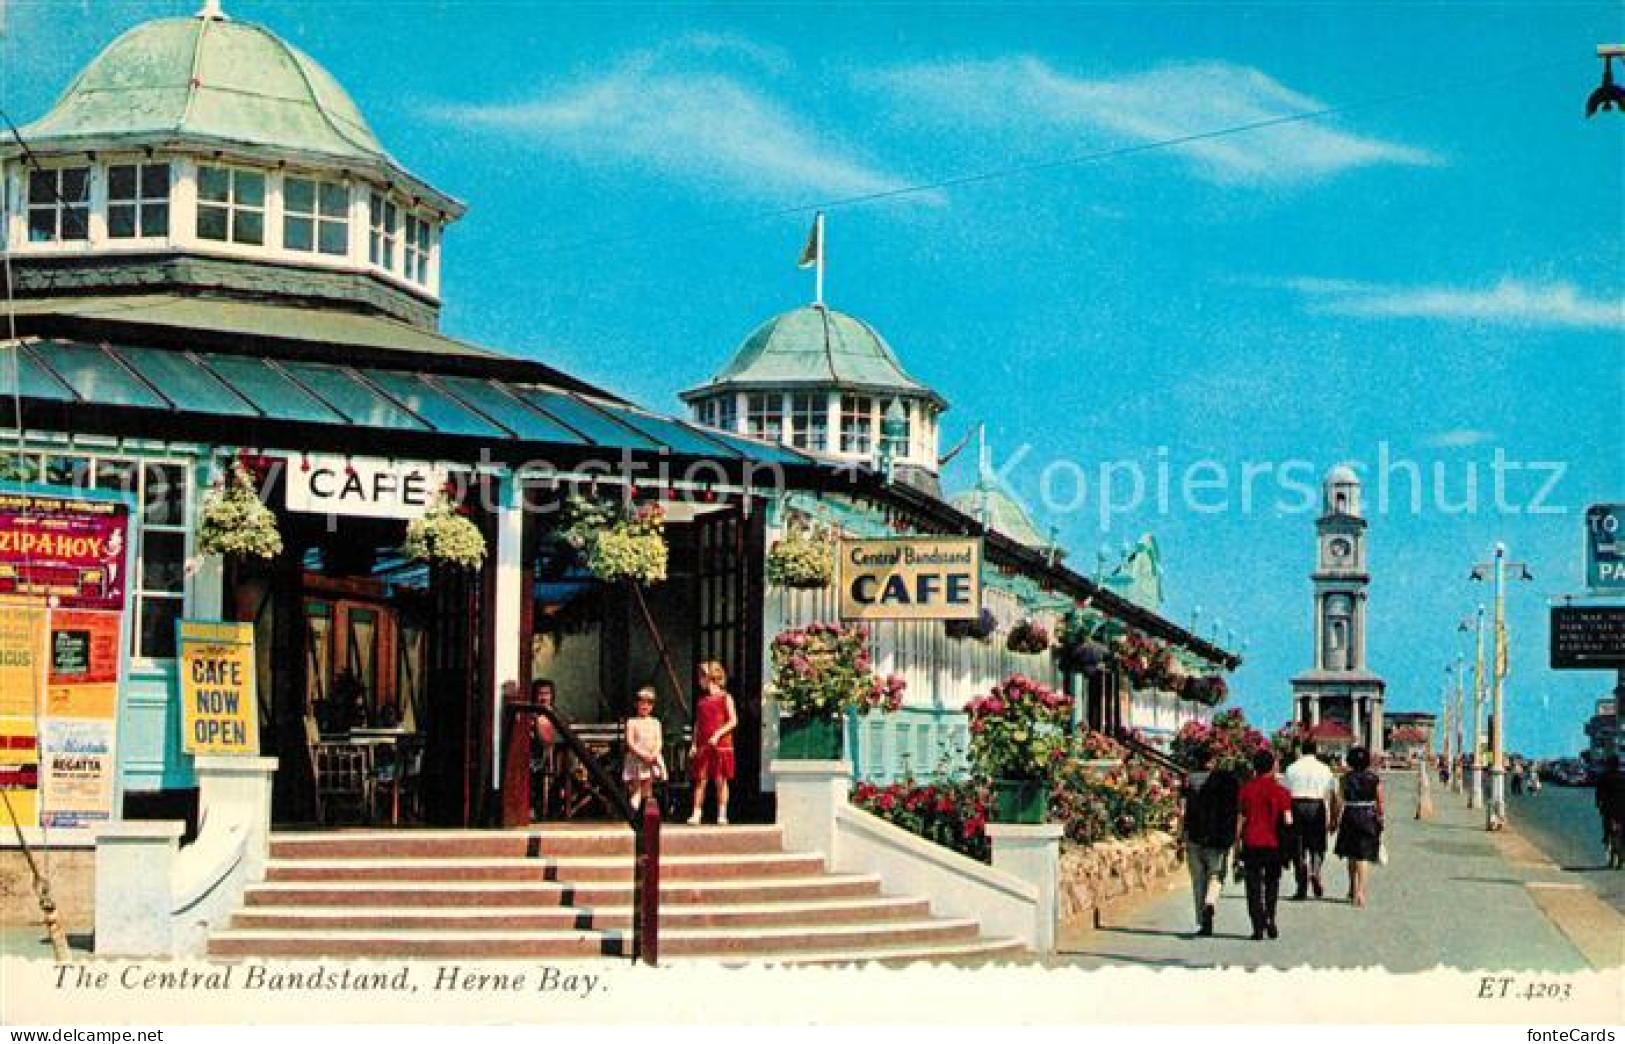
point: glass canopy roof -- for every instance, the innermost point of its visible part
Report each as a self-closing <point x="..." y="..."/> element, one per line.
<point x="210" y="383"/>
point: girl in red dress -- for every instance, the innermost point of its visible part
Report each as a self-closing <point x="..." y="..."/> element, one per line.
<point x="712" y="753"/>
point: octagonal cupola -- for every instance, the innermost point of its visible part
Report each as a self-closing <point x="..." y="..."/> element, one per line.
<point x="828" y="383"/>
<point x="208" y="153"/>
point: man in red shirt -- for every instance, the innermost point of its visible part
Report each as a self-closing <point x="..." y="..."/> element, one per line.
<point x="1266" y="807"/>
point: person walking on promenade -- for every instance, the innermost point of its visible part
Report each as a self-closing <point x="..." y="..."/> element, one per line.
<point x="1265" y="811"/>
<point x="712" y="752"/>
<point x="1359" y="828"/>
<point x="1314" y="799"/>
<point x="1210" y="832"/>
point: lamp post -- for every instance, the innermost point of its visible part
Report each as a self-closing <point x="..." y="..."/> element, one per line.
<point x="1475" y="623"/>
<point x="1446" y="730"/>
<point x="1495" y="813"/>
<point x="1455" y="776"/>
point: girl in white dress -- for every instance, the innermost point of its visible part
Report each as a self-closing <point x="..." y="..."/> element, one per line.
<point x="644" y="763"/>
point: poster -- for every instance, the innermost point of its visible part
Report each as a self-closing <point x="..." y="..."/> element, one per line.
<point x="83" y="665"/>
<point x="76" y="773"/>
<point x="65" y="546"/>
<point x="22" y="650"/>
<point x="219" y="713"/>
<point x="64" y="558"/>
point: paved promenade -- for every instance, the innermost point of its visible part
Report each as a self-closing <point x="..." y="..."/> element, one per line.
<point x="1452" y="895"/>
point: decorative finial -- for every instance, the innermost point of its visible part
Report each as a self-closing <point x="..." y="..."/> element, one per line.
<point x="211" y="10"/>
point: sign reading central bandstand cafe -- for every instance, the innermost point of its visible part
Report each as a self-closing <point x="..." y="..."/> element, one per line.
<point x="911" y="578"/>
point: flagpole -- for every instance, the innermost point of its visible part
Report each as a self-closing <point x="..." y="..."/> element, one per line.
<point x="818" y="287"/>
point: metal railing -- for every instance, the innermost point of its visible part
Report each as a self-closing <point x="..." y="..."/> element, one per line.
<point x="1145" y="750"/>
<point x="644" y="824"/>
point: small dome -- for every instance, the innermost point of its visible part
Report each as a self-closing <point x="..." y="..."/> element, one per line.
<point x="1342" y="475"/>
<point x="999" y="511"/>
<point x="211" y="82"/>
<point x="815" y="345"/>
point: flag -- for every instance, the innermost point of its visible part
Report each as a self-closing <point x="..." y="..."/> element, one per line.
<point x="813" y="253"/>
<point x="1501" y="649"/>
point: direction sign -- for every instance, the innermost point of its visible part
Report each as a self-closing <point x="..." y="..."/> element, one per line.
<point x="1588" y="639"/>
<point x="1605" y="548"/>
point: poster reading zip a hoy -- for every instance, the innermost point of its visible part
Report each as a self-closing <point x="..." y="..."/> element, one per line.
<point x="64" y="559"/>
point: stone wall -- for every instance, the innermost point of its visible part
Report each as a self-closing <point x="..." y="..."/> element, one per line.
<point x="72" y="873"/>
<point x="1094" y="875"/>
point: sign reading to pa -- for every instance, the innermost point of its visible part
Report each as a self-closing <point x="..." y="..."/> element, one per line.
<point x="911" y="578"/>
<point x="1605" y="547"/>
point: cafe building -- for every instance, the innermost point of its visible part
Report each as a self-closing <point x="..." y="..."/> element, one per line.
<point x="215" y="267"/>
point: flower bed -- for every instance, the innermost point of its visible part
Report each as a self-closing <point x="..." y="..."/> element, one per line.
<point x="953" y="815"/>
<point x="1129" y="798"/>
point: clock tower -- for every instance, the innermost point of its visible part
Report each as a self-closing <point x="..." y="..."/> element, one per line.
<point x="1339" y="699"/>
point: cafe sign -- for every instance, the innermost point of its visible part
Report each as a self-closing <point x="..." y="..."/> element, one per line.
<point x="219" y="712"/>
<point x="911" y="578"/>
<point x="323" y="485"/>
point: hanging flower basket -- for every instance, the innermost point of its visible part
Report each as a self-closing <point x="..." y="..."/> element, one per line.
<point x="1028" y="637"/>
<point x="617" y="544"/>
<point x="1208" y="690"/>
<point x="804" y="558"/>
<point x="981" y="628"/>
<point x="236" y="522"/>
<point x="1076" y="649"/>
<point x="440" y="536"/>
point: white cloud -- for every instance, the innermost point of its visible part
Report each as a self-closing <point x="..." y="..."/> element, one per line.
<point x="1511" y="302"/>
<point x="1458" y="438"/>
<point x="662" y="111"/>
<point x="1028" y="98"/>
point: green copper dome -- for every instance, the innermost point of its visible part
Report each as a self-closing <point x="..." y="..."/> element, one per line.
<point x="999" y="511"/>
<point x="209" y="82"/>
<point x="818" y="346"/>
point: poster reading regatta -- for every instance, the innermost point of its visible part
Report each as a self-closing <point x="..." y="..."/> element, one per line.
<point x="64" y="566"/>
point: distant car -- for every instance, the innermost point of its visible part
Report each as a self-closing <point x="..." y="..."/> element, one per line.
<point x="1570" y="773"/>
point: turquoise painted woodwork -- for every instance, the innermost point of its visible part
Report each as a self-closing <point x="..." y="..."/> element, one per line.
<point x="916" y="742"/>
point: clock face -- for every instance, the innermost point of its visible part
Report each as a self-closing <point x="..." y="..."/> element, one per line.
<point x="1341" y="548"/>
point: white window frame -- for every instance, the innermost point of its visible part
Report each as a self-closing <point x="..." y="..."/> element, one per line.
<point x="857" y="424"/>
<point x="270" y="224"/>
<point x="140" y="203"/>
<point x="56" y="205"/>
<point x="764" y="416"/>
<point x="383" y="231"/>
<point x="316" y="216"/>
<point x="809" y="411"/>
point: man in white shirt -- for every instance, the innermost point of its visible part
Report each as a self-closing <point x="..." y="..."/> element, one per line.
<point x="1314" y="800"/>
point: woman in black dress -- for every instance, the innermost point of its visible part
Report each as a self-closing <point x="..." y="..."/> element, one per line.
<point x="1359" y="830"/>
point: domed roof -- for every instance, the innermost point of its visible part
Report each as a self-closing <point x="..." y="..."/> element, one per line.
<point x="212" y="82"/>
<point x="816" y="345"/>
<point x="999" y="511"/>
<point x="1342" y="475"/>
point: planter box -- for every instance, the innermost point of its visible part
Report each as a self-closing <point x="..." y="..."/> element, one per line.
<point x="1020" y="800"/>
<point x="810" y="739"/>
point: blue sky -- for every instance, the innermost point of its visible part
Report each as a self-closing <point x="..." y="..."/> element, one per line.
<point x="1437" y="267"/>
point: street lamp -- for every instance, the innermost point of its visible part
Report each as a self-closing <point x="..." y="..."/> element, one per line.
<point x="1608" y="95"/>
<point x="1455" y="777"/>
<point x="1495" y="813"/>
<point x="1475" y="623"/>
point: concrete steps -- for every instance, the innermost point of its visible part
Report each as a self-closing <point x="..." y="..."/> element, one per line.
<point x="560" y="892"/>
